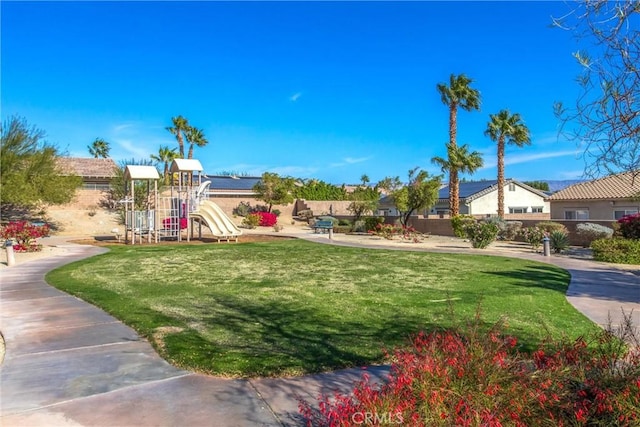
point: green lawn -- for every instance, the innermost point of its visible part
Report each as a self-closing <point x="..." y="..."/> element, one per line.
<point x="295" y="307"/>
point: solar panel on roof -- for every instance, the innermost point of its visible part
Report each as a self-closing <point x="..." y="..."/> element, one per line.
<point x="468" y="188"/>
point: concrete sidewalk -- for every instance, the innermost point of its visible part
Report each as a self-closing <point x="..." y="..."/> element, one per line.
<point x="68" y="363"/>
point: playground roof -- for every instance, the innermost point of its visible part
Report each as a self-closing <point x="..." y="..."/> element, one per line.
<point x="186" y="165"/>
<point x="132" y="172"/>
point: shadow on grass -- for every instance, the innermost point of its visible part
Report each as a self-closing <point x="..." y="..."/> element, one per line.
<point x="287" y="339"/>
<point x="536" y="276"/>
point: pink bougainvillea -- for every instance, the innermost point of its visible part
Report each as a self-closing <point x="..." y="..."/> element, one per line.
<point x="25" y="234"/>
<point x="630" y="226"/>
<point x="267" y="219"/>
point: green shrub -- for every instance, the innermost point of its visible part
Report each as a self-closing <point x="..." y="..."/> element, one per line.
<point x="589" y="232"/>
<point x="344" y="222"/>
<point x="550" y="227"/>
<point x="559" y="241"/>
<point x="243" y="209"/>
<point x="251" y="221"/>
<point x="371" y="222"/>
<point x="359" y="226"/>
<point x="459" y="222"/>
<point x="619" y="251"/>
<point x="276" y="212"/>
<point x="533" y="236"/>
<point x="512" y="230"/>
<point x="507" y="230"/>
<point x="481" y="234"/>
<point x="342" y="229"/>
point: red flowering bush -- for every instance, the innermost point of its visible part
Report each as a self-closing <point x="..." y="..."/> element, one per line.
<point x="630" y="226"/>
<point x="267" y="219"/>
<point x="25" y="234"/>
<point x="474" y="378"/>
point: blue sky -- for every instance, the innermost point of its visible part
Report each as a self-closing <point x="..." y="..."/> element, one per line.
<point x="324" y="90"/>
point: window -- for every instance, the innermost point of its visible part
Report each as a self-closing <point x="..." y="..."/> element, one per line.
<point x="620" y="212"/>
<point x="512" y="186"/>
<point x="517" y="210"/>
<point x="537" y="209"/>
<point x="577" y="214"/>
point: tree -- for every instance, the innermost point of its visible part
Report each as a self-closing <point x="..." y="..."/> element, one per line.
<point x="29" y="172"/>
<point x="274" y="190"/>
<point x="421" y="192"/>
<point x="364" y="199"/>
<point x="165" y="155"/>
<point x="99" y="148"/>
<point x="315" y="189"/>
<point x="195" y="137"/>
<point x="180" y="126"/>
<point x="457" y="94"/>
<point x="506" y="128"/>
<point x="538" y="185"/>
<point x="460" y="159"/>
<point x="118" y="188"/>
<point x="605" y="119"/>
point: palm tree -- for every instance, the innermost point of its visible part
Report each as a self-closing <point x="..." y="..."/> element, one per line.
<point x="195" y="136"/>
<point x="457" y="94"/>
<point x="460" y="159"/>
<point x="165" y="155"/>
<point x="510" y="129"/>
<point x="180" y="126"/>
<point x="99" y="148"/>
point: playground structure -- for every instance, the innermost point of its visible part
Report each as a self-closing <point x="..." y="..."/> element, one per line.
<point x="172" y="215"/>
<point x="139" y="215"/>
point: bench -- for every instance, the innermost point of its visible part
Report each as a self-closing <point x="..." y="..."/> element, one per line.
<point x="322" y="226"/>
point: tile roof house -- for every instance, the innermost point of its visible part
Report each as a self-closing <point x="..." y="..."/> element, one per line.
<point x="481" y="198"/>
<point x="95" y="173"/>
<point x="607" y="198"/>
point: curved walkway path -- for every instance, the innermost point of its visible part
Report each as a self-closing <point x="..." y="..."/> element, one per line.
<point x="68" y="363"/>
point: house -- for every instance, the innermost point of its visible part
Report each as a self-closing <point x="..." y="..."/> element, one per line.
<point x="96" y="174"/>
<point x="604" y="199"/>
<point x="480" y="198"/>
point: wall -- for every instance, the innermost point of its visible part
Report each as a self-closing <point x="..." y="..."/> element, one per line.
<point x="599" y="210"/>
<point x="84" y="199"/>
<point x="336" y="207"/>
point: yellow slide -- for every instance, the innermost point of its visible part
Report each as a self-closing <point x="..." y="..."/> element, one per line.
<point x="221" y="226"/>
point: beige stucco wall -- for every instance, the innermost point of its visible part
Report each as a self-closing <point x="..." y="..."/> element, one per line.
<point x="335" y="207"/>
<point x="602" y="210"/>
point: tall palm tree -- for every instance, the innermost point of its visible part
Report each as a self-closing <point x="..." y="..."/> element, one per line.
<point x="460" y="159"/>
<point x="457" y="94"/>
<point x="180" y="126"/>
<point x="165" y="155"/>
<point x="506" y="128"/>
<point x="195" y="137"/>
<point x="99" y="148"/>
